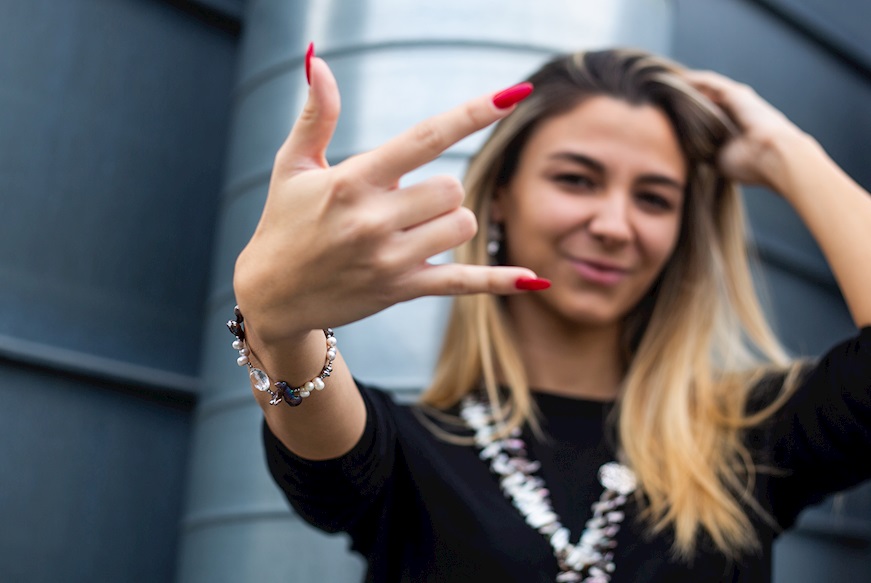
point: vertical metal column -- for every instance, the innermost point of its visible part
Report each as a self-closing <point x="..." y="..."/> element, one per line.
<point x="396" y="63"/>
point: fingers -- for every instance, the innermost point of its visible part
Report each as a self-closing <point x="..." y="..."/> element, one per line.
<point x="306" y="146"/>
<point x="435" y="236"/>
<point x="708" y="82"/>
<point x="427" y="140"/>
<point x="458" y="279"/>
<point x="425" y="200"/>
<point x="738" y="100"/>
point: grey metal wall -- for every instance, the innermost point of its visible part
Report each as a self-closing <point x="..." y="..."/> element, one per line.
<point x="812" y="59"/>
<point x="112" y="127"/>
<point x="396" y="62"/>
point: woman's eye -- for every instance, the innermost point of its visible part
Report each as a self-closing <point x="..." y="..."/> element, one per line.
<point x="575" y="181"/>
<point x="656" y="201"/>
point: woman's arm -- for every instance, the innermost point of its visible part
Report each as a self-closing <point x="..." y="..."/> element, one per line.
<point x="337" y="244"/>
<point x="773" y="152"/>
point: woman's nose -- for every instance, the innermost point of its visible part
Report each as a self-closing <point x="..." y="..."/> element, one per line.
<point x="610" y="220"/>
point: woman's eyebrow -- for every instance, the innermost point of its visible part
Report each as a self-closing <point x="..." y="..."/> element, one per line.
<point x="660" y="179"/>
<point x="581" y="159"/>
<point x="596" y="166"/>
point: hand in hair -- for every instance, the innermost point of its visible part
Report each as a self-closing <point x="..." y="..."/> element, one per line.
<point x="337" y="244"/>
<point x="749" y="157"/>
<point x="771" y="151"/>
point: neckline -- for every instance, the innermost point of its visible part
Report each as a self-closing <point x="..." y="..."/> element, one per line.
<point x="557" y="405"/>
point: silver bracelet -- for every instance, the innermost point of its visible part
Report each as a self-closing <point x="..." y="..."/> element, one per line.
<point x="282" y="391"/>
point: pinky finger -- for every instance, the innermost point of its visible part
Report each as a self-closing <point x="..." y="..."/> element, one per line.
<point x="457" y="279"/>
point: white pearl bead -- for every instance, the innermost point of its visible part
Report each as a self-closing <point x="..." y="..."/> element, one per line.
<point x="309" y="386"/>
<point x="238" y="345"/>
<point x="331" y="354"/>
<point x="319" y="383"/>
<point x="331" y="341"/>
<point x="242" y="360"/>
<point x="304" y="394"/>
<point x="245" y="352"/>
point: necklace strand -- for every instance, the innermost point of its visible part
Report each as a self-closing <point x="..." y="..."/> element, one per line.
<point x="591" y="559"/>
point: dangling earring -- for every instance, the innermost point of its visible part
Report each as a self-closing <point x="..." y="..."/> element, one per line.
<point x="494" y="240"/>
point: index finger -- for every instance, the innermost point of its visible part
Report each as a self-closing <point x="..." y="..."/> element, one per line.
<point x="426" y="141"/>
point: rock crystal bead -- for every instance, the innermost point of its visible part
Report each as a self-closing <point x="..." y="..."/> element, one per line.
<point x="259" y="378"/>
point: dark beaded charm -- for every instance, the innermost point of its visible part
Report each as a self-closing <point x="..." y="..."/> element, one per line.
<point x="290" y="397"/>
<point x="238" y="314"/>
<point x="236" y="329"/>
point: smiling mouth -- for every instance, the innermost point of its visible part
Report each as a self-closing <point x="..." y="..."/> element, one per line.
<point x="599" y="273"/>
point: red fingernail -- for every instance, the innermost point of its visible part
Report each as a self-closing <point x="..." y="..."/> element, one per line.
<point x="512" y="95"/>
<point x="532" y="283"/>
<point x="309" y="53"/>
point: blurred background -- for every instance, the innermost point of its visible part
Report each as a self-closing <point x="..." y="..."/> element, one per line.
<point x="136" y="140"/>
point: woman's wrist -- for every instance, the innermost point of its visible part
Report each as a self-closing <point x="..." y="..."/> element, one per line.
<point x="787" y="155"/>
<point x="282" y="368"/>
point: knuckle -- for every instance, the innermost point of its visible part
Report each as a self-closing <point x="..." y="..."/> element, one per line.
<point x="309" y="113"/>
<point x="429" y="137"/>
<point x="455" y="283"/>
<point x="476" y="115"/>
<point x="343" y="187"/>
<point x="388" y="259"/>
<point x="361" y="228"/>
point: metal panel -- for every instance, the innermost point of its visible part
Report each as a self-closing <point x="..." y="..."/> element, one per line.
<point x="110" y="159"/>
<point x="112" y="124"/>
<point x="91" y="476"/>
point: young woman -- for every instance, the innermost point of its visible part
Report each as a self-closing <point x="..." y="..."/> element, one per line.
<point x="610" y="404"/>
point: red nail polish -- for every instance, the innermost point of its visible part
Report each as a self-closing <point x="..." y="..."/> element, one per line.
<point x="532" y="283"/>
<point x="512" y="95"/>
<point x="309" y="53"/>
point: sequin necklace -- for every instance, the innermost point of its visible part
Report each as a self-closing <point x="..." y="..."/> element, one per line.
<point x="591" y="559"/>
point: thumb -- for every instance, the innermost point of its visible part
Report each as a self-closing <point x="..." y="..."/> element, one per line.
<point x="306" y="145"/>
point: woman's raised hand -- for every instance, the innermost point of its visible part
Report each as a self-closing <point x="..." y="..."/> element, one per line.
<point x="337" y="244"/>
<point x="770" y="150"/>
<point x="751" y="157"/>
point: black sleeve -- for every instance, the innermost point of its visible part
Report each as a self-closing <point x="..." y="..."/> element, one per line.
<point x="822" y="436"/>
<point x="334" y="494"/>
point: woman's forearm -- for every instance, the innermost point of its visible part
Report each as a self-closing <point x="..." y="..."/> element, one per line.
<point x="835" y="209"/>
<point x="329" y="422"/>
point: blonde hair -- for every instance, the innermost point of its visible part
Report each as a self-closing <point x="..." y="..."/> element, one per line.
<point x="694" y="347"/>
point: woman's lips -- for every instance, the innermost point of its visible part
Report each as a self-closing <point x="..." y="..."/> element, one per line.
<point x="599" y="273"/>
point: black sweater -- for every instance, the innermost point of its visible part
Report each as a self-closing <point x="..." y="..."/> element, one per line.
<point x="421" y="509"/>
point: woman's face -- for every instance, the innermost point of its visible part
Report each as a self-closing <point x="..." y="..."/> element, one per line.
<point x="595" y="206"/>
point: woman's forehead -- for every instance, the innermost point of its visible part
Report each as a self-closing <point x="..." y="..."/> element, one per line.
<point x="609" y="131"/>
